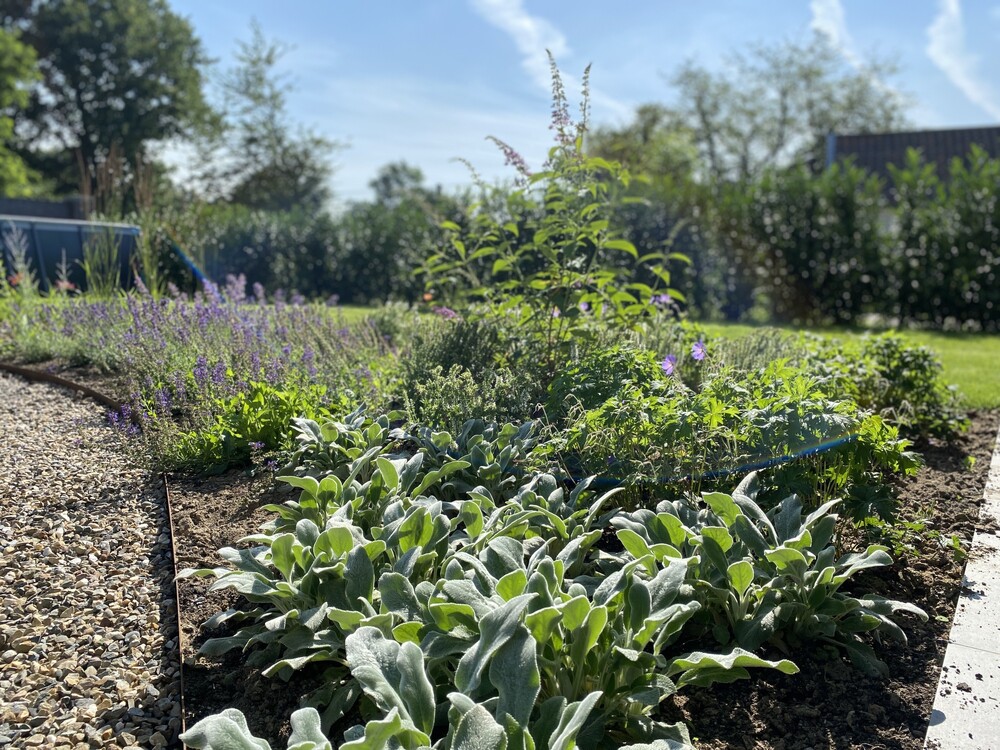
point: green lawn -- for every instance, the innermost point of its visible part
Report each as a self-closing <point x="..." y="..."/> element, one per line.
<point x="971" y="360"/>
<point x="353" y="313"/>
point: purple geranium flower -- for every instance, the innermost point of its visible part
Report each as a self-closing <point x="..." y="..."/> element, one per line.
<point x="698" y="350"/>
<point x="668" y="364"/>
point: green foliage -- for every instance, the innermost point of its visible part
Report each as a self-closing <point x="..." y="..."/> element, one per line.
<point x="942" y="261"/>
<point x="257" y="159"/>
<point x="665" y="434"/>
<point x="252" y="422"/>
<point x="812" y="244"/>
<point x="17" y="72"/>
<point x="101" y="265"/>
<point x="19" y="277"/>
<point x="229" y="731"/>
<point x="382" y="241"/>
<point x="544" y="259"/>
<point x="768" y="577"/>
<point x="450" y="592"/>
<point x="775" y="105"/>
<point x="600" y="375"/>
<point x="451" y="372"/>
<point x="449" y="399"/>
<point x="98" y="91"/>
<point x="901" y="382"/>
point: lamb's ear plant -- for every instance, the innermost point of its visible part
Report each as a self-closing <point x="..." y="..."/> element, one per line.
<point x="768" y="577"/>
<point x="228" y="730"/>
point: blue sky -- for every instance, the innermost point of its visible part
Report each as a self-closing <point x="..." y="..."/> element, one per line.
<point x="428" y="80"/>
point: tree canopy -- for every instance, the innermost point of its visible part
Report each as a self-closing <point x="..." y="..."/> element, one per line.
<point x="776" y="104"/>
<point x="17" y="71"/>
<point x="259" y="159"/>
<point x="115" y="74"/>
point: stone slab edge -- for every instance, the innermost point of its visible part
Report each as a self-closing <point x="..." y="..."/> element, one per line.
<point x="966" y="712"/>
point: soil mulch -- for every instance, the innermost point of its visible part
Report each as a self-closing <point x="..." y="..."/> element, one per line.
<point x="829" y="704"/>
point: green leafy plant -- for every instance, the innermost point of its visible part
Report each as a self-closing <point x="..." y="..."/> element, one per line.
<point x="771" y="577"/>
<point x="228" y="730"/>
<point x="255" y="420"/>
<point x="544" y="262"/>
<point x="101" y="263"/>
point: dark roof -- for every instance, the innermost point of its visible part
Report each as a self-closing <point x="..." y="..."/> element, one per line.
<point x="875" y="151"/>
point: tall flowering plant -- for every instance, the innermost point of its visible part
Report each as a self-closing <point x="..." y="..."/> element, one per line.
<point x="541" y="257"/>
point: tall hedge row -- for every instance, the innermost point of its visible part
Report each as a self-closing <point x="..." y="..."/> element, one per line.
<point x="839" y="245"/>
<point x="792" y="246"/>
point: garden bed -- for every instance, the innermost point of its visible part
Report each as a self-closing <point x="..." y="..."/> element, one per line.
<point x="829" y="704"/>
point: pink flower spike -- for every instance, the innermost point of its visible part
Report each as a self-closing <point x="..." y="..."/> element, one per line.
<point x="668" y="364"/>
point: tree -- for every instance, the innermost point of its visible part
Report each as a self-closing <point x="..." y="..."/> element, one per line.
<point x="259" y="160"/>
<point x="115" y="74"/>
<point x="775" y="106"/>
<point x="382" y="241"/>
<point x="655" y="144"/>
<point x="17" y="71"/>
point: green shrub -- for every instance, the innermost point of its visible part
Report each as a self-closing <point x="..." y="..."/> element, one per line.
<point x="253" y="422"/>
<point x="544" y="259"/>
<point x="664" y="438"/>
<point x="894" y="379"/>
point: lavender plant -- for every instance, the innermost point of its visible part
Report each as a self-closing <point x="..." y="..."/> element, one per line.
<point x="183" y="364"/>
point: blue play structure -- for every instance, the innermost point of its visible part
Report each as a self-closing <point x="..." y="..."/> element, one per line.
<point x="49" y="240"/>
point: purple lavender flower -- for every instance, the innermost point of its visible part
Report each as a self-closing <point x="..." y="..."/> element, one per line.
<point x="298" y="299"/>
<point x="163" y="400"/>
<point x="309" y="360"/>
<point x="236" y="288"/>
<point x="219" y="373"/>
<point x="200" y="371"/>
<point x="259" y="295"/>
<point x="140" y="286"/>
<point x="669" y="364"/>
<point x="212" y="291"/>
<point x="445" y="312"/>
<point x="333" y="300"/>
<point x="256" y="445"/>
<point x="698" y="350"/>
<point x="584" y="307"/>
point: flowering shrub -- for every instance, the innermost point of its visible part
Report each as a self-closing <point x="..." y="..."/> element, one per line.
<point x="545" y="259"/>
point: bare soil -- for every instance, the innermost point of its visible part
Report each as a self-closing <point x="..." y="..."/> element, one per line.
<point x="829" y="704"/>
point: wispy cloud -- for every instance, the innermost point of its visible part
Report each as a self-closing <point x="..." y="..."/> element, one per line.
<point x="828" y="19"/>
<point x="532" y="35"/>
<point x="946" y="49"/>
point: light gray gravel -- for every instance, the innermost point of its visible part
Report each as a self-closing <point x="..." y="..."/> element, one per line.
<point x="87" y="620"/>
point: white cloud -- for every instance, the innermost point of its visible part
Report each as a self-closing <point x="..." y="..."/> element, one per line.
<point x="946" y="49"/>
<point x="532" y="35"/>
<point x="828" y="18"/>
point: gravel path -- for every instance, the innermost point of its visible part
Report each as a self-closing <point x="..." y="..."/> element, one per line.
<point x="87" y="620"/>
